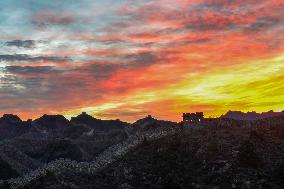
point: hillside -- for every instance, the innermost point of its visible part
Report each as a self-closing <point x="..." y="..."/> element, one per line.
<point x="28" y="145"/>
<point x="213" y="156"/>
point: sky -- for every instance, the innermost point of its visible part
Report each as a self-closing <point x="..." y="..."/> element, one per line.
<point x="129" y="58"/>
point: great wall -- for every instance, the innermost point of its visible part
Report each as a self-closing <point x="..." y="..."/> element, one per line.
<point x="108" y="156"/>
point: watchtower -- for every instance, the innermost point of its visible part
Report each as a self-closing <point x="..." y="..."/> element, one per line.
<point x="189" y="118"/>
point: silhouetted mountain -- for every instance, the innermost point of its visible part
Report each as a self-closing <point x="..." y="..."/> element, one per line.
<point x="151" y="123"/>
<point x="51" y="122"/>
<point x="238" y="115"/>
<point x="6" y="171"/>
<point x="12" y="126"/>
<point x="98" y="124"/>
<point x="62" y="148"/>
<point x="192" y="157"/>
<point x="17" y="160"/>
<point x="10" y="118"/>
<point x="114" y="154"/>
<point x="203" y="157"/>
<point x="76" y="131"/>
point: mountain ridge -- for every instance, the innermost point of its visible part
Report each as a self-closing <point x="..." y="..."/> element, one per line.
<point x="239" y="115"/>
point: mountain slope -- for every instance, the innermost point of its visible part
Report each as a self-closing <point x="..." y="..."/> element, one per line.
<point x="201" y="157"/>
<point x="6" y="171"/>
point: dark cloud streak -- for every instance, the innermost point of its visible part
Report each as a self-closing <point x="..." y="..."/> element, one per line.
<point x="28" y="58"/>
<point x="29" y="44"/>
<point x="46" y="18"/>
<point x="31" y="69"/>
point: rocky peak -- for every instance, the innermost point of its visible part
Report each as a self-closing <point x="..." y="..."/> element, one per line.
<point x="97" y="124"/>
<point x="51" y="122"/>
<point x="83" y="118"/>
<point x="10" y="118"/>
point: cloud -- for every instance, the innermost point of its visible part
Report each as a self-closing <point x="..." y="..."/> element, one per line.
<point x="264" y="23"/>
<point x="102" y="71"/>
<point x="22" y="43"/>
<point x="29" y="58"/>
<point x="46" y="18"/>
<point x="31" y="70"/>
<point x="140" y="60"/>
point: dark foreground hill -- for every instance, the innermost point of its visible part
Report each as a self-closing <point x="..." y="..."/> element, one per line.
<point x="213" y="156"/>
